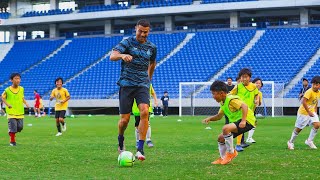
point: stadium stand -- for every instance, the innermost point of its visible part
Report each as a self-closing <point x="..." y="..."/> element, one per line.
<point x="47" y="13"/>
<point x="67" y="63"/>
<point x="166" y="43"/>
<point x="95" y="8"/>
<point x="71" y="60"/>
<point x="201" y="58"/>
<point x="204" y="55"/>
<point x="278" y="48"/>
<point x="162" y="3"/>
<point x="314" y="70"/>
<point x="105" y="74"/>
<point x="23" y="55"/>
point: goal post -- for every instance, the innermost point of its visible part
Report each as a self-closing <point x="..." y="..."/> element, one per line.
<point x="195" y="98"/>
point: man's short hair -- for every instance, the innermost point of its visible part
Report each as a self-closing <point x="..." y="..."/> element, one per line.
<point x="305" y="79"/>
<point x="14" y="75"/>
<point x="218" y="86"/>
<point x="244" y="71"/>
<point x="315" y="79"/>
<point x="229" y="78"/>
<point x="143" y="22"/>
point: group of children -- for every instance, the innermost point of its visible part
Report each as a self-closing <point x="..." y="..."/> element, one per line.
<point x="13" y="98"/>
<point x="239" y="106"/>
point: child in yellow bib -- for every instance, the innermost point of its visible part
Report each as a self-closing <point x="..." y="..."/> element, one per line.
<point x="13" y="98"/>
<point x="241" y="119"/>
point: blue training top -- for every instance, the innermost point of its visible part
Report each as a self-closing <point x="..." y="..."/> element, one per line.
<point x="135" y="73"/>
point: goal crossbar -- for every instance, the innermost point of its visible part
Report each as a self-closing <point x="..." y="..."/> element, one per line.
<point x="202" y="85"/>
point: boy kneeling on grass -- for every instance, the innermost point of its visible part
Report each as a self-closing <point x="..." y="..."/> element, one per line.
<point x="241" y="120"/>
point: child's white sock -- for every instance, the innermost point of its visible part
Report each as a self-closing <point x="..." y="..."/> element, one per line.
<point x="222" y="149"/>
<point x="229" y="142"/>
<point x="313" y="133"/>
<point x="293" y="136"/>
<point x="149" y="134"/>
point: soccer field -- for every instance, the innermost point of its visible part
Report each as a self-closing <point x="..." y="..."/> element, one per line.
<point x="183" y="150"/>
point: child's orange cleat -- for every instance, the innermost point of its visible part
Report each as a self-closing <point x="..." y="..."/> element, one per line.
<point x="229" y="157"/>
<point x="218" y="161"/>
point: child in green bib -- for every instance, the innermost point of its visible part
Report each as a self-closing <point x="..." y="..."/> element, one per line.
<point x="241" y="119"/>
<point x="13" y="98"/>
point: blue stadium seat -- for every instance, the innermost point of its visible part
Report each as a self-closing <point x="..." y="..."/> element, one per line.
<point x="112" y="7"/>
<point x="47" y="13"/>
<point x="4" y="15"/>
<point x="223" y="1"/>
<point x="161" y="3"/>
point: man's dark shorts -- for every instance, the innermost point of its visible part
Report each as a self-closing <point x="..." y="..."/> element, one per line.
<point x="127" y="96"/>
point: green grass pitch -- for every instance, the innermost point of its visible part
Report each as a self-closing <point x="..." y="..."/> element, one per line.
<point x="183" y="150"/>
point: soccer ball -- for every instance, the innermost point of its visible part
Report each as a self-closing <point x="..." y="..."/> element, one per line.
<point x="126" y="159"/>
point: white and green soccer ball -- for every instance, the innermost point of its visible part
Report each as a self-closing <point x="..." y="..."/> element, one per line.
<point x="126" y="159"/>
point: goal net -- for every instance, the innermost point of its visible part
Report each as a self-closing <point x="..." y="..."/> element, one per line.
<point x="195" y="98"/>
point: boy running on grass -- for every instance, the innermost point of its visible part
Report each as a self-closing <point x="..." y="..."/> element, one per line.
<point x="62" y="97"/>
<point x="307" y="114"/>
<point x="13" y="98"/>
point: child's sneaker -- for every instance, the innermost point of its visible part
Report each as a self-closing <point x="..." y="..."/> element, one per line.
<point x="13" y="144"/>
<point x="59" y="134"/>
<point x="310" y="144"/>
<point x="239" y="148"/>
<point x="149" y="144"/>
<point x="229" y="157"/>
<point x="250" y="140"/>
<point x="218" y="161"/>
<point x="244" y="145"/>
<point x="290" y="145"/>
<point x="64" y="127"/>
<point x="140" y="156"/>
